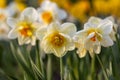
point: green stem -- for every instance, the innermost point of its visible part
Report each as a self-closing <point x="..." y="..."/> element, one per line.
<point x="118" y="43"/>
<point x="93" y="68"/>
<point x="39" y="59"/>
<point x="49" y="68"/>
<point x="61" y="68"/>
<point x="101" y="64"/>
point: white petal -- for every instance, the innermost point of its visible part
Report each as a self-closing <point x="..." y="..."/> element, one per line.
<point x="20" y="40"/>
<point x="82" y="52"/>
<point x="59" y="52"/>
<point x="13" y="34"/>
<point x="110" y="18"/>
<point x="94" y="19"/>
<point x="106" y="26"/>
<point x="23" y="40"/>
<point x="89" y="44"/>
<point x="92" y="22"/>
<point x="47" y="5"/>
<point x="68" y="28"/>
<point x="62" y="14"/>
<point x="106" y="41"/>
<point x="91" y="52"/>
<point x="53" y="27"/>
<point x="97" y="48"/>
<point x="29" y="14"/>
<point x="81" y="48"/>
<point x="45" y="45"/>
<point x="69" y="44"/>
<point x="40" y="33"/>
<point x="33" y="40"/>
<point x="91" y="35"/>
<point x="11" y="22"/>
<point x="80" y="34"/>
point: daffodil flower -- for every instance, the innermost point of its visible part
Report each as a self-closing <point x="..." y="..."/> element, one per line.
<point x="49" y="12"/>
<point x="25" y="27"/>
<point x="57" y="38"/>
<point x="96" y="33"/>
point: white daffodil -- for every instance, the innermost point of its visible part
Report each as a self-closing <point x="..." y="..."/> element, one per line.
<point x="25" y="27"/>
<point x="4" y="29"/>
<point x="96" y="32"/>
<point x="49" y="12"/>
<point x="57" y="38"/>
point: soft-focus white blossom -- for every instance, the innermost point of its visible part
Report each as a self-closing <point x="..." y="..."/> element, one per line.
<point x="4" y="29"/>
<point x="25" y="27"/>
<point x="57" y="38"/>
<point x="96" y="33"/>
<point x="3" y="15"/>
<point x="49" y="12"/>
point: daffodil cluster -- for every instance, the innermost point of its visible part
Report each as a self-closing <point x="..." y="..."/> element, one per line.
<point x="44" y="24"/>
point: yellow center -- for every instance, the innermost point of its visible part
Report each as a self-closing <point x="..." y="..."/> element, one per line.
<point x="96" y="36"/>
<point x="56" y="39"/>
<point x="26" y="29"/>
<point x="47" y="17"/>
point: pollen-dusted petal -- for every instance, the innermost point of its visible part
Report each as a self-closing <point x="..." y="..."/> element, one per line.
<point x="68" y="28"/>
<point x="29" y="14"/>
<point x="106" y="41"/>
<point x="105" y="26"/>
<point x="11" y="22"/>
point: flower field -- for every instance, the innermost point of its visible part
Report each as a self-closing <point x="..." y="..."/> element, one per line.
<point x="59" y="40"/>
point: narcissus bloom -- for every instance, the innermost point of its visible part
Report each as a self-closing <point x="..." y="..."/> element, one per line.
<point x="57" y="38"/>
<point x="96" y="33"/>
<point x="49" y="12"/>
<point x="25" y="27"/>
